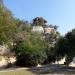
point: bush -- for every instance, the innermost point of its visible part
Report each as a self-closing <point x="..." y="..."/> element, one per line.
<point x="30" y="53"/>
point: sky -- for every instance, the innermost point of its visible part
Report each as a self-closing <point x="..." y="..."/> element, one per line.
<point x="56" y="12"/>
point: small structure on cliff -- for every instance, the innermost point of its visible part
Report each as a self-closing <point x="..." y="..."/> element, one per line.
<point x="49" y="32"/>
<point x="38" y="29"/>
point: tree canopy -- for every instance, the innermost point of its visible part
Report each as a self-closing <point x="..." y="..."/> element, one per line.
<point x="7" y="25"/>
<point x="65" y="47"/>
<point x="31" y="52"/>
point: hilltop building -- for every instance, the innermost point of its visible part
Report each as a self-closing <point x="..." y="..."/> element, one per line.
<point x="46" y="29"/>
<point x="49" y="31"/>
<point x="38" y="29"/>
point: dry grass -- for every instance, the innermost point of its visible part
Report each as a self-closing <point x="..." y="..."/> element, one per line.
<point x="17" y="72"/>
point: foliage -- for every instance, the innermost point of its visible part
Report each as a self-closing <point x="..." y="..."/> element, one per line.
<point x="31" y="52"/>
<point x="66" y="46"/>
<point x="50" y="55"/>
<point x="23" y="25"/>
<point x="7" y="25"/>
<point x="30" y="48"/>
<point x="39" y="21"/>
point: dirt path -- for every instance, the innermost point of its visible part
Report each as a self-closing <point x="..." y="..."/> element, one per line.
<point x="46" y="69"/>
<point x="54" y="69"/>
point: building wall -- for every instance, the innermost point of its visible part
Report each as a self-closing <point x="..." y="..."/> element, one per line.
<point x="43" y="29"/>
<point x="38" y="29"/>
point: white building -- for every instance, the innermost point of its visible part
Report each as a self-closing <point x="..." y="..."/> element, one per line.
<point x="38" y="29"/>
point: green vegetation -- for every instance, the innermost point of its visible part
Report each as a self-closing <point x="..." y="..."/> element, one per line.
<point x="32" y="48"/>
<point x="39" y="21"/>
<point x="66" y="47"/>
<point x="31" y="51"/>
<point x="7" y="25"/>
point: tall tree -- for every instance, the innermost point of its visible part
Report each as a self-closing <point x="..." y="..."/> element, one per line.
<point x="7" y="24"/>
<point x="39" y="21"/>
<point x="66" y="47"/>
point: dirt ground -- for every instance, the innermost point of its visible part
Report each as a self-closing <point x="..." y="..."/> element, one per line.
<point x="50" y="69"/>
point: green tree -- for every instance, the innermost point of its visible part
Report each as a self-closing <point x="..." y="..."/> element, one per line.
<point x="66" y="47"/>
<point x="23" y="25"/>
<point x="60" y="48"/>
<point x="7" y="25"/>
<point x="31" y="52"/>
<point x="39" y="21"/>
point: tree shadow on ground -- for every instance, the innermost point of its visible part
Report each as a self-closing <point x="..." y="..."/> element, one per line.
<point x="53" y="69"/>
